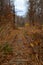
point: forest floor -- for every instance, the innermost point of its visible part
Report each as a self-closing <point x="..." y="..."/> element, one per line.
<point x="26" y="42"/>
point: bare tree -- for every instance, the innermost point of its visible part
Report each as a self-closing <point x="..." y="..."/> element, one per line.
<point x="32" y="11"/>
<point x="41" y="7"/>
<point x="1" y="7"/>
<point x="36" y="11"/>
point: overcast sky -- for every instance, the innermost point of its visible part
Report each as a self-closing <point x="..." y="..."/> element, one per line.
<point x="21" y="7"/>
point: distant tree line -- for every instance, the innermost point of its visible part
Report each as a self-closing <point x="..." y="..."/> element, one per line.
<point x="35" y="14"/>
<point x="36" y="11"/>
<point x="3" y="4"/>
<point x="6" y="8"/>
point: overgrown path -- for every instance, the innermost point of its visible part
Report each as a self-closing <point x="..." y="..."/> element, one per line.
<point x="24" y="40"/>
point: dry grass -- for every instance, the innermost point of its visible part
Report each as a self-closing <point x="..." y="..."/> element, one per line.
<point x="26" y="42"/>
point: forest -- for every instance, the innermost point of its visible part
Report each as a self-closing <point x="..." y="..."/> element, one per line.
<point x="21" y="32"/>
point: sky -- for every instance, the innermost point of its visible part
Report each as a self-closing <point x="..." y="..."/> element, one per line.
<point x="21" y="7"/>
